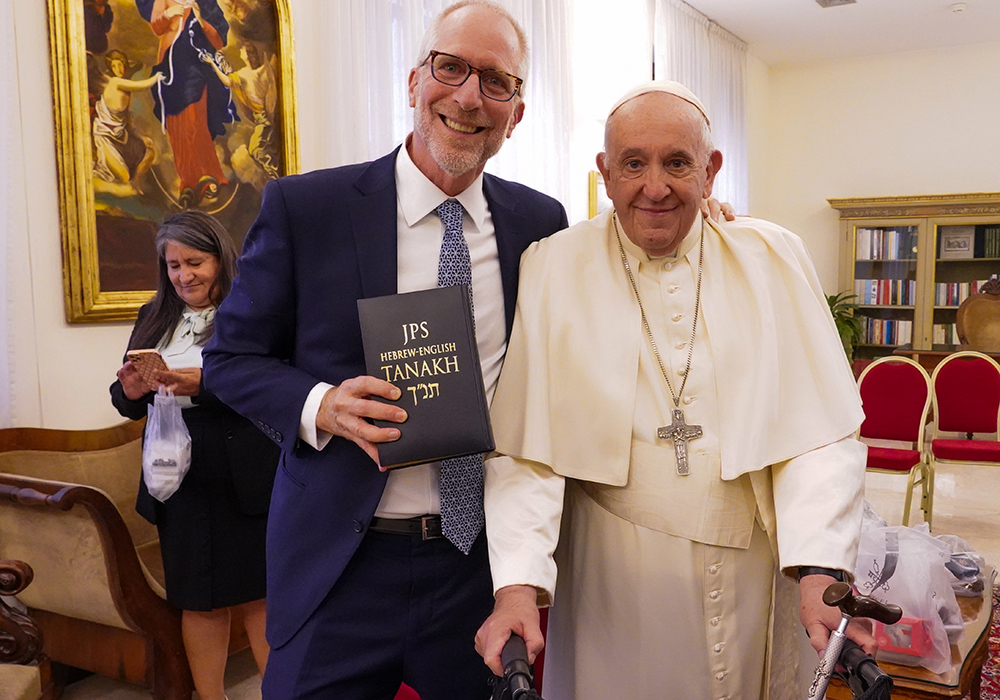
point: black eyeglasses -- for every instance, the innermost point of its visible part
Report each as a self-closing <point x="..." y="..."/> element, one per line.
<point x="454" y="71"/>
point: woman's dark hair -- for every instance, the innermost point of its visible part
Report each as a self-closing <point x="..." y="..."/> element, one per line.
<point x="200" y="231"/>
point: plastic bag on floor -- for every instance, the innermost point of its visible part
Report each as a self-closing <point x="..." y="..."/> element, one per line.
<point x="966" y="567"/>
<point x="907" y="567"/>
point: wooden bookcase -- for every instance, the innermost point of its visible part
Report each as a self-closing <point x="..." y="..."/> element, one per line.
<point x="912" y="260"/>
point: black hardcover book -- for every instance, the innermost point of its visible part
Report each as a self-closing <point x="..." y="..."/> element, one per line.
<point x="425" y="344"/>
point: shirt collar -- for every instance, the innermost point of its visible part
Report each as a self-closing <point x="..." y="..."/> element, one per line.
<point x="418" y="196"/>
<point x="196" y="321"/>
<point x="687" y="245"/>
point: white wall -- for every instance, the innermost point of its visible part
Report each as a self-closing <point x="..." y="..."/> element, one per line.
<point x="907" y="124"/>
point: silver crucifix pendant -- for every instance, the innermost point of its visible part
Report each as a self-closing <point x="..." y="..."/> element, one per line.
<point x="679" y="432"/>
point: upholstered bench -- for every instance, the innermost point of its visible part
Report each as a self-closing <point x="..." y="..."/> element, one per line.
<point x="67" y="506"/>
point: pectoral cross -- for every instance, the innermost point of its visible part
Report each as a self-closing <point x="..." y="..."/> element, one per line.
<point x="679" y="432"/>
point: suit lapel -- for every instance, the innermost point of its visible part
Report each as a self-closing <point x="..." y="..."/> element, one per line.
<point x="508" y="223"/>
<point x="373" y="223"/>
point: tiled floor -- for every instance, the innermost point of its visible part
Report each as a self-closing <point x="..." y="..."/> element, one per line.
<point x="966" y="503"/>
<point x="242" y="683"/>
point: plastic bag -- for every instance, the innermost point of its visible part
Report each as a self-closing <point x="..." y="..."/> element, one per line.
<point x="966" y="567"/>
<point x="907" y="566"/>
<point x="166" y="453"/>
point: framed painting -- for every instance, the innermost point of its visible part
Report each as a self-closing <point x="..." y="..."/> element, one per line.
<point x="162" y="106"/>
<point x="957" y="242"/>
<point x="597" y="197"/>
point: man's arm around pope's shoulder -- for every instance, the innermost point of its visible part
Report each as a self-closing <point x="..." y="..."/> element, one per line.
<point x="523" y="501"/>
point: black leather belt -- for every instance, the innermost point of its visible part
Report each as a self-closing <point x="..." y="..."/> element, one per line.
<point x="427" y="526"/>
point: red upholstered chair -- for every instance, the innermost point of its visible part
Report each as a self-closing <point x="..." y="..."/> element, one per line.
<point x="896" y="394"/>
<point x="406" y="693"/>
<point x="966" y="400"/>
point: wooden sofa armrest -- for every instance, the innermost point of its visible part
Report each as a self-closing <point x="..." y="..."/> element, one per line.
<point x="136" y="602"/>
<point x="125" y="630"/>
<point x="23" y="639"/>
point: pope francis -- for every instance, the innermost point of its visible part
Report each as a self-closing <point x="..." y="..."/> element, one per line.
<point x="676" y="402"/>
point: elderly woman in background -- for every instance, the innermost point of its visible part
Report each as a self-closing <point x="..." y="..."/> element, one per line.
<point x="212" y="529"/>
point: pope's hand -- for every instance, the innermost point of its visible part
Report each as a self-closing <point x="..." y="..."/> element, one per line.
<point x="819" y="618"/>
<point x="345" y="407"/>
<point x="515" y="612"/>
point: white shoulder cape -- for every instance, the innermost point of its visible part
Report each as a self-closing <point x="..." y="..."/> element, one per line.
<point x="567" y="391"/>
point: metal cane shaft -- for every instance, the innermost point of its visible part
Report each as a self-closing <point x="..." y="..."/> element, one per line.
<point x="817" y="691"/>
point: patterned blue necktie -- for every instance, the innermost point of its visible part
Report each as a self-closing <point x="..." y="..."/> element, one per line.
<point x="461" y="477"/>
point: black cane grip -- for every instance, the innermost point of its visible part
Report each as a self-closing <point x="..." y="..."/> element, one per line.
<point x="840" y="595"/>
<point x="514" y="650"/>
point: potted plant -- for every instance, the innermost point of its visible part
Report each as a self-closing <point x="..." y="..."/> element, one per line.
<point x="850" y="327"/>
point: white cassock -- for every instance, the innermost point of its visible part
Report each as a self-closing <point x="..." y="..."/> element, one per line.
<point x="665" y="581"/>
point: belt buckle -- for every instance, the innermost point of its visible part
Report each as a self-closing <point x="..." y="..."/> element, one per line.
<point x="424" y="534"/>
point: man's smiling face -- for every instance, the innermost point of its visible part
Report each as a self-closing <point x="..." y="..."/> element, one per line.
<point x="456" y="129"/>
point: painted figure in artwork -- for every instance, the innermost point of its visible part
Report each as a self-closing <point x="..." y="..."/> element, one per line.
<point x="121" y="156"/>
<point x="255" y="89"/>
<point x="192" y="104"/>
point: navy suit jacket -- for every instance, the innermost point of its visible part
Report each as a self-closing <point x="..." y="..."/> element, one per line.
<point x="323" y="240"/>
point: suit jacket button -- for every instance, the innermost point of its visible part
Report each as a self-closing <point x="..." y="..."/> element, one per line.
<point x="229" y="435"/>
<point x="278" y="436"/>
<point x="358" y="527"/>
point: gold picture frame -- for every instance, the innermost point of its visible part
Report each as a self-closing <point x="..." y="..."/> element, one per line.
<point x="597" y="196"/>
<point x="130" y="141"/>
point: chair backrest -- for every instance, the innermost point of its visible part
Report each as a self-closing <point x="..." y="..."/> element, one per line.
<point x="967" y="393"/>
<point x="78" y="545"/>
<point x="978" y="319"/>
<point x="108" y="459"/>
<point x="896" y="396"/>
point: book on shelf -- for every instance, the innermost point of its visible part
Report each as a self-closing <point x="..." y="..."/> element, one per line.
<point x="891" y="243"/>
<point x="990" y="241"/>
<point x="425" y="344"/>
<point x="944" y="334"/>
<point x="885" y="292"/>
<point x="954" y="293"/>
<point x="879" y="331"/>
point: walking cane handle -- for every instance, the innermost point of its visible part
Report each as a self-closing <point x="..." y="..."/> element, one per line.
<point x="840" y="595"/>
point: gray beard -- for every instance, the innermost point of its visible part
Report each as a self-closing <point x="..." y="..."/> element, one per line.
<point x="458" y="162"/>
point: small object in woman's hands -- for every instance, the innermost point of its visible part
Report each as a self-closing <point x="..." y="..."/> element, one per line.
<point x="147" y="363"/>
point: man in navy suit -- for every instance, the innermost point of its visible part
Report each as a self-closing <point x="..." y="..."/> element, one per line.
<point x="363" y="591"/>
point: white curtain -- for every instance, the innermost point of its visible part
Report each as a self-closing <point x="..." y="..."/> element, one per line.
<point x="691" y="49"/>
<point x="371" y="49"/>
<point x="8" y="120"/>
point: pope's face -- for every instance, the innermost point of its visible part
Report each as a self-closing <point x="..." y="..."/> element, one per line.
<point x="657" y="168"/>
<point x="457" y="129"/>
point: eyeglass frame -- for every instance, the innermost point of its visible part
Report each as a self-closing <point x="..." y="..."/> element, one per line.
<point x="518" y="82"/>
